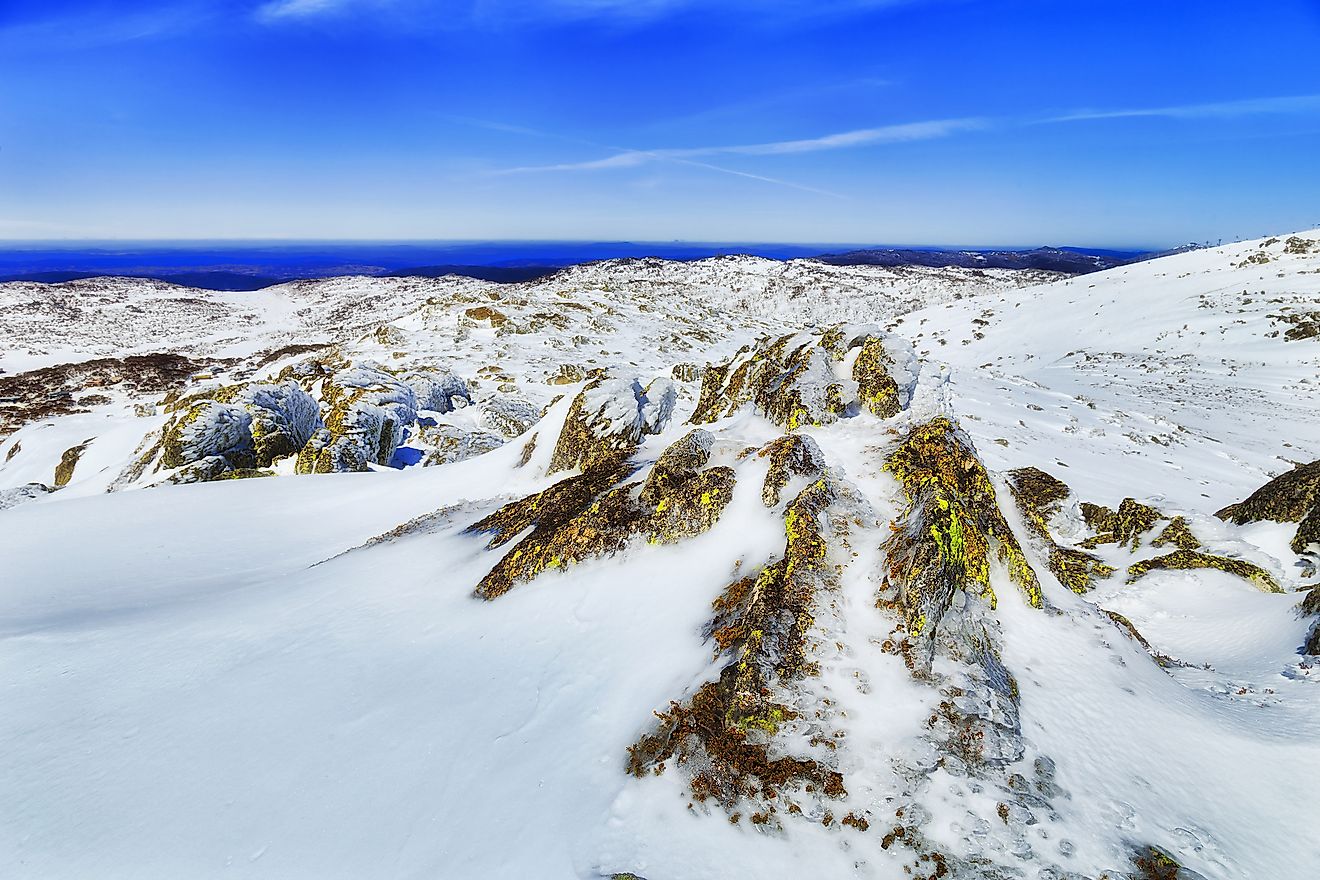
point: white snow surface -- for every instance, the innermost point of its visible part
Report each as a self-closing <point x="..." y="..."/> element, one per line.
<point x="220" y="680"/>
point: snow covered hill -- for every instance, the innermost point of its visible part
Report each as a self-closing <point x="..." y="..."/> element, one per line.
<point x="730" y="569"/>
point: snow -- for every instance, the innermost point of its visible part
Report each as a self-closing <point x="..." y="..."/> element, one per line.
<point x="233" y="679"/>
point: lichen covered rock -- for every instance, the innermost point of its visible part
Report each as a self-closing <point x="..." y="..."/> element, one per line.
<point x="721" y="736"/>
<point x="1177" y="533"/>
<point x="804" y="379"/>
<point x="951" y="526"/>
<point x="792" y="455"/>
<point x="368" y="410"/>
<point x="1191" y="559"/>
<point x="607" y="421"/>
<point x="1039" y="496"/>
<point x="1288" y="498"/>
<point x="69" y="461"/>
<point x="209" y="429"/>
<point x="1123" y="527"/>
<point x="587" y="515"/>
<point x="872" y="371"/>
<point x="244" y="426"/>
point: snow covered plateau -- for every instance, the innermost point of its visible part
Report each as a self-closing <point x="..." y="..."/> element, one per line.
<point x="679" y="571"/>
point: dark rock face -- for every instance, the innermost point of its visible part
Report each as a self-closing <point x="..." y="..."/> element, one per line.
<point x="1290" y="497"/>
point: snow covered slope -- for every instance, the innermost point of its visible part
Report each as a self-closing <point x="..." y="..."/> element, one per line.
<point x="702" y="604"/>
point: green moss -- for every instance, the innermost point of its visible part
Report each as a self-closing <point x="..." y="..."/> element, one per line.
<point x="1191" y="559"/>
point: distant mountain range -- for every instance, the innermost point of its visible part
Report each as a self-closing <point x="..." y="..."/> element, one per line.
<point x="242" y="267"/>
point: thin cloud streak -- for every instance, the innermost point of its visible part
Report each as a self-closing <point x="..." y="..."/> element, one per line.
<point x="1220" y="110"/>
<point x="890" y="134"/>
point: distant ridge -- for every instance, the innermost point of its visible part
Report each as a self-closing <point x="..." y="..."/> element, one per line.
<point x="246" y="268"/>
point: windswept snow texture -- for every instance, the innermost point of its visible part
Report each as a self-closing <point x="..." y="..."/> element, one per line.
<point x="291" y="677"/>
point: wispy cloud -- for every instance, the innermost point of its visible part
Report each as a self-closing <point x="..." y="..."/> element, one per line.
<point x="1219" y="110"/>
<point x="503" y="13"/>
<point x="890" y="134"/>
<point x="278" y="10"/>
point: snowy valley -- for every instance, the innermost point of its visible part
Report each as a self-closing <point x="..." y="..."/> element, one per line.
<point x="734" y="568"/>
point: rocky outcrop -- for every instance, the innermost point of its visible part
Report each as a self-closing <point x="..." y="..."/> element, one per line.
<point x="1191" y="559"/>
<point x="68" y="462"/>
<point x="446" y="444"/>
<point x="723" y="737"/>
<point x="587" y="515"/>
<point x="804" y="379"/>
<point x="793" y="455"/>
<point x="507" y="416"/>
<point x="952" y="525"/>
<point x="607" y="420"/>
<point x="1039" y="497"/>
<point x="238" y="427"/>
<point x="367" y="410"/>
<point x="1123" y="527"/>
<point x="1293" y="497"/>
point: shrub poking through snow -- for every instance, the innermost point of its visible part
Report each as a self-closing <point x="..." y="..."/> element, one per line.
<point x="951" y="525"/>
<point x="722" y="735"/>
<point x="1291" y="497"/>
<point x="1190" y="559"/>
<point x="1039" y="496"/>
<point x="583" y="517"/>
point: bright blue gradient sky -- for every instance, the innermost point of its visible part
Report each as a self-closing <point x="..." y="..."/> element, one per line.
<point x="1003" y="122"/>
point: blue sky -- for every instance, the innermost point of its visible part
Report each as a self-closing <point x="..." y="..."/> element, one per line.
<point x="1020" y="122"/>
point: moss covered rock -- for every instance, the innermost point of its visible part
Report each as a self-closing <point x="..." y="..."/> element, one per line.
<point x="1288" y="498"/>
<point x="1191" y="559"/>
